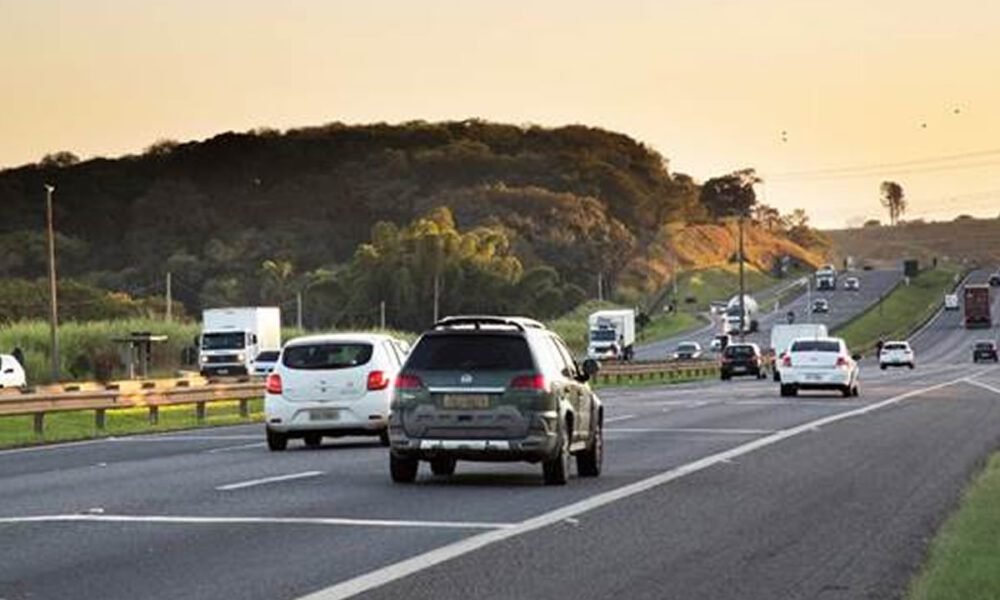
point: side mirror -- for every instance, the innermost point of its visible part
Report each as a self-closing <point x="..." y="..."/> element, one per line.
<point x="856" y="356"/>
<point x="591" y="367"/>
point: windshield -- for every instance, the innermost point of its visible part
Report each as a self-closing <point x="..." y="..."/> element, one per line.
<point x="471" y="353"/>
<point x="687" y="348"/>
<point x="603" y="335"/>
<point x="327" y="355"/>
<point x="223" y="341"/>
<point x="984" y="345"/>
<point x="815" y="346"/>
<point x="267" y="356"/>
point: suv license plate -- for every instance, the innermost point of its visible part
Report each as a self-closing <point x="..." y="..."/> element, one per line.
<point x="465" y="401"/>
<point x="325" y="414"/>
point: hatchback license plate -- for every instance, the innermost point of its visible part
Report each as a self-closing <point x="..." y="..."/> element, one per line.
<point x="465" y="401"/>
<point x="325" y="414"/>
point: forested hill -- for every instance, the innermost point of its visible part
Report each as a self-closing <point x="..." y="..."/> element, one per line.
<point x="247" y="217"/>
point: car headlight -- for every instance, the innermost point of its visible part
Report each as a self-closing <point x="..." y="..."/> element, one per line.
<point x="241" y="357"/>
<point x="203" y="358"/>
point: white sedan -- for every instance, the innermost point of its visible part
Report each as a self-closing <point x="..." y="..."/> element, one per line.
<point x="819" y="364"/>
<point x="11" y="372"/>
<point x="896" y="354"/>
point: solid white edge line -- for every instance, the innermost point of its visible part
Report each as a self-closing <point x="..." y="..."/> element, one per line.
<point x="689" y="430"/>
<point x="265" y="480"/>
<point x="413" y="565"/>
<point x="182" y="520"/>
<point x="619" y="418"/>
<point x="234" y="448"/>
<point x="982" y="385"/>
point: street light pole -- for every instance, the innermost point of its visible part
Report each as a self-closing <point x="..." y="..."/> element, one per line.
<point x="53" y="300"/>
<point x="742" y="287"/>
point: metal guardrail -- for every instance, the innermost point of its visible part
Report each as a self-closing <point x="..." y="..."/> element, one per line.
<point x="39" y="404"/>
<point x="622" y="372"/>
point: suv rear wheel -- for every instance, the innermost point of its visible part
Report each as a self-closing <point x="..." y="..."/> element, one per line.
<point x="555" y="471"/>
<point x="403" y="469"/>
<point x="276" y="442"/>
<point x="590" y="461"/>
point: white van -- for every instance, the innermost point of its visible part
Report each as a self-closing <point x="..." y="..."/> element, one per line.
<point x="11" y="372"/>
<point x="332" y="385"/>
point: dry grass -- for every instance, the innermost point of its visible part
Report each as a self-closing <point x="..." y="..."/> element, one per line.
<point x="977" y="240"/>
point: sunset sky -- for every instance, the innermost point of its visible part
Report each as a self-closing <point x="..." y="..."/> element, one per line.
<point x="710" y="84"/>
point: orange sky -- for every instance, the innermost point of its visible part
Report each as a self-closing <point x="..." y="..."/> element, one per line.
<point x="711" y="84"/>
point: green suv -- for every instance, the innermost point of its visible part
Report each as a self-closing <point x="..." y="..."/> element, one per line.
<point x="494" y="389"/>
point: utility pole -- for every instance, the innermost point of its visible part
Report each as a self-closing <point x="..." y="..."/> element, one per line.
<point x="381" y="310"/>
<point x="170" y="299"/>
<point x="742" y="287"/>
<point x="53" y="301"/>
<point x="600" y="287"/>
<point x="298" y="309"/>
<point x="437" y="295"/>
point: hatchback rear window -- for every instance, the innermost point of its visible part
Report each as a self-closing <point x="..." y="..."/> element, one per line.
<point x="267" y="355"/>
<point x="815" y="346"/>
<point x="895" y="347"/>
<point x="471" y="353"/>
<point x="332" y="355"/>
<point x="739" y="351"/>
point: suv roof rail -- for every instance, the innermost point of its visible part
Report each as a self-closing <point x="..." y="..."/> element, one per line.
<point x="477" y="321"/>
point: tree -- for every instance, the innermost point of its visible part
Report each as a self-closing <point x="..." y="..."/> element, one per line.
<point x="894" y="200"/>
<point x="872" y="223"/>
<point x="730" y="195"/>
<point x="59" y="159"/>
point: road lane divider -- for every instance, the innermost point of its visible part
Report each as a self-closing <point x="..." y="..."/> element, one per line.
<point x="190" y="520"/>
<point x="421" y="562"/>
<point x="698" y="430"/>
<point x="266" y="480"/>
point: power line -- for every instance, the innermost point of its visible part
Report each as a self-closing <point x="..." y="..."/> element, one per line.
<point x="932" y="163"/>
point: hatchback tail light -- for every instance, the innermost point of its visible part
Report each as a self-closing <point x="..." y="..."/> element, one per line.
<point x="786" y="360"/>
<point x="273" y="385"/>
<point x="377" y="381"/>
<point x="528" y="382"/>
<point x="841" y="362"/>
<point x="408" y="382"/>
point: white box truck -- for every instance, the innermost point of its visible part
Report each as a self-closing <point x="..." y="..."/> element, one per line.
<point x="782" y="337"/>
<point x="611" y="334"/>
<point x="826" y="278"/>
<point x="749" y="312"/>
<point x="231" y="338"/>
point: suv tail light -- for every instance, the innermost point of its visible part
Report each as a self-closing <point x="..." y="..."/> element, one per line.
<point x="408" y="382"/>
<point x="841" y="362"/>
<point x="273" y="385"/>
<point x="528" y="382"/>
<point x="377" y="381"/>
<point x="786" y="360"/>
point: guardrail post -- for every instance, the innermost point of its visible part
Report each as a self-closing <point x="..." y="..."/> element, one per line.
<point x="39" y="424"/>
<point x="244" y="408"/>
<point x="154" y="415"/>
<point x="199" y="412"/>
<point x="99" y="419"/>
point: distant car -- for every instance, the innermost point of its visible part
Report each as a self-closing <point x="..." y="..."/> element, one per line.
<point x="741" y="359"/>
<point x="331" y="385"/>
<point x="264" y="362"/>
<point x="11" y="372"/>
<point x="995" y="279"/>
<point x="984" y="350"/>
<point x="820" y="306"/>
<point x="819" y="364"/>
<point x="720" y="342"/>
<point x="896" y="354"/>
<point x="867" y="268"/>
<point x="951" y="302"/>
<point x="852" y="284"/>
<point x="688" y="351"/>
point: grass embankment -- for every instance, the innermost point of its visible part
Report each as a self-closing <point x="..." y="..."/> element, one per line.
<point x="71" y="426"/>
<point x="964" y="559"/>
<point x="901" y="311"/>
<point x="717" y="284"/>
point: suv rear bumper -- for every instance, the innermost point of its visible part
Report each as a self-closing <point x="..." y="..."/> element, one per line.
<point x="532" y="448"/>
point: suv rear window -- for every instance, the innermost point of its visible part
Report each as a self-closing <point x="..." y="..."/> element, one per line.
<point x="815" y="346"/>
<point x="984" y="346"/>
<point x="739" y="351"/>
<point x="471" y="353"/>
<point x="894" y="347"/>
<point x="328" y="355"/>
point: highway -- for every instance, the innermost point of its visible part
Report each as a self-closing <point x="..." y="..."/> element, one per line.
<point x="711" y="490"/>
<point x="843" y="306"/>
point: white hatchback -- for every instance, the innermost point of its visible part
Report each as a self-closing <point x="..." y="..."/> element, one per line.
<point x="332" y="385"/>
<point x="896" y="354"/>
<point x="819" y="364"/>
<point x="11" y="372"/>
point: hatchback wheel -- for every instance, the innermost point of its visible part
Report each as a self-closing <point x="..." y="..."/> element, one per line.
<point x="443" y="465"/>
<point x="383" y="437"/>
<point x="590" y="461"/>
<point x="555" y="471"/>
<point x="788" y="390"/>
<point x="312" y="440"/>
<point x="403" y="469"/>
<point x="276" y="442"/>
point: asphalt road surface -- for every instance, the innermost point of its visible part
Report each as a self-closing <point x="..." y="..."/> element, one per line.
<point x="844" y="305"/>
<point x="711" y="490"/>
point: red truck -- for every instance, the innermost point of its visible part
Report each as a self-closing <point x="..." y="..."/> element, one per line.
<point x="977" y="307"/>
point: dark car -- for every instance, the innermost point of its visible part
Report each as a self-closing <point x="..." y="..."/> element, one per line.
<point x="485" y="388"/>
<point x="741" y="359"/>
<point x="984" y="351"/>
<point x="821" y="306"/>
